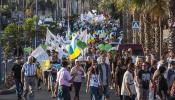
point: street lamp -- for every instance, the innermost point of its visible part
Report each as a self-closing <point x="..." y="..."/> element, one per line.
<point x="0" y="61"/>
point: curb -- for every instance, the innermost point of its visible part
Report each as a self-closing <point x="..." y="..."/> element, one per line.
<point x="8" y="91"/>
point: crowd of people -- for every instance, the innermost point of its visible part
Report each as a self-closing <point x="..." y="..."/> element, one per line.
<point x="131" y="77"/>
<point x="145" y="79"/>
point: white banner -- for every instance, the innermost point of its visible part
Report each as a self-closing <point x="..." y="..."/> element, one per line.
<point x="51" y="40"/>
<point x="40" y="55"/>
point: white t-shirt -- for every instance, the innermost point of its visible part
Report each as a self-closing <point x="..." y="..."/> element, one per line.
<point x="128" y="78"/>
<point x="106" y="61"/>
<point x="94" y="80"/>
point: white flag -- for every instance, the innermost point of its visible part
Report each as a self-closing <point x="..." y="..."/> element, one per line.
<point x="40" y="55"/>
<point x="84" y="36"/>
<point x="51" y="40"/>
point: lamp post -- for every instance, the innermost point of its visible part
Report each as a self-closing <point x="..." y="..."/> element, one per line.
<point x="0" y="62"/>
<point x="36" y="11"/>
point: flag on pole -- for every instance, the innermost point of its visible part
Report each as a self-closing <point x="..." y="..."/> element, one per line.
<point x="73" y="49"/>
<point x="42" y="57"/>
<point x="50" y="39"/>
<point x="84" y="36"/>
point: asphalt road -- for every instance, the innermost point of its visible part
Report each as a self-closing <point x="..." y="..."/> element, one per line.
<point x="43" y="94"/>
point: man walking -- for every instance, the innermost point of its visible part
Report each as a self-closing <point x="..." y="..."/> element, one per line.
<point x="104" y="75"/>
<point x="16" y="70"/>
<point x="28" y="74"/>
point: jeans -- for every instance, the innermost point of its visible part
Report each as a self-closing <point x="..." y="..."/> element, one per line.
<point x="66" y="93"/>
<point x="77" y="86"/>
<point x="129" y="97"/>
<point x="39" y="82"/>
<point x="145" y="94"/>
<point x="29" y="82"/>
<point x="19" y="87"/>
<point x="105" y="93"/>
<point x="94" y="93"/>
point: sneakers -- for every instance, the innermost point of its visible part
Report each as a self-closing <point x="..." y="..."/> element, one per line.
<point x="39" y="88"/>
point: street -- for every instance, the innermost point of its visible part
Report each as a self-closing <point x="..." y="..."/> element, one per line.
<point x="43" y="94"/>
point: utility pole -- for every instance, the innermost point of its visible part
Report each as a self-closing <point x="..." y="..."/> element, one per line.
<point x="0" y="62"/>
<point x="36" y="22"/>
<point x="62" y="6"/>
<point x="1" y="3"/>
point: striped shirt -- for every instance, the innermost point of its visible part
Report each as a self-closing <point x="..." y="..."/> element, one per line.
<point x="29" y="69"/>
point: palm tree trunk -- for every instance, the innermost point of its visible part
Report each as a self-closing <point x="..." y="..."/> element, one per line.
<point x="157" y="37"/>
<point x="161" y="36"/>
<point x="171" y="45"/>
<point x="141" y="30"/>
<point x="147" y="28"/>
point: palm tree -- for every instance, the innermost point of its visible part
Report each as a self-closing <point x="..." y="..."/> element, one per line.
<point x="159" y="11"/>
<point x="172" y="28"/>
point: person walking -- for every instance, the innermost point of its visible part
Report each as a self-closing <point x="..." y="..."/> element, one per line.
<point x="63" y="81"/>
<point x="78" y="69"/>
<point x="93" y="81"/>
<point x="104" y="75"/>
<point x="137" y="82"/>
<point x="55" y="67"/>
<point x="128" y="88"/>
<point x="162" y="85"/>
<point x="145" y="76"/>
<point x="16" y="70"/>
<point x="28" y="78"/>
<point x="119" y="73"/>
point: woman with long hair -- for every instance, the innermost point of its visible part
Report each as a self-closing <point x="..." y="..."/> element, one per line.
<point x="138" y="87"/>
<point x="93" y="81"/>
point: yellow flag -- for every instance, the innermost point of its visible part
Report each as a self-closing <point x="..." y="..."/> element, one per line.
<point x="45" y="65"/>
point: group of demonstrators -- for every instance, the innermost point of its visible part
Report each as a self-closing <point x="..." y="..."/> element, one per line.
<point x="100" y="69"/>
<point x="145" y="79"/>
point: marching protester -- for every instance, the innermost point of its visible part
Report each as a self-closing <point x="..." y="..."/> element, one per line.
<point x="138" y="87"/>
<point x="162" y="85"/>
<point x="92" y="84"/>
<point x="16" y="69"/>
<point x="28" y="77"/>
<point x="55" y="66"/>
<point x="119" y="73"/>
<point x="144" y="75"/>
<point x="105" y="79"/>
<point x="128" y="88"/>
<point x="79" y="71"/>
<point x="171" y="75"/>
<point x="63" y="81"/>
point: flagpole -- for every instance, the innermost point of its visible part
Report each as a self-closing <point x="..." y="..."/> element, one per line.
<point x="68" y="28"/>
